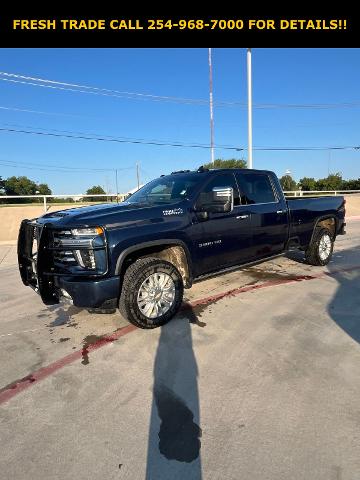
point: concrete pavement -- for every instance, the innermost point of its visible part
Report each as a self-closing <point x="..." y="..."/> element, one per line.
<point x="261" y="384"/>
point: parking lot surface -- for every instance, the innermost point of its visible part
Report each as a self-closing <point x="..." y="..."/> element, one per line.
<point x="258" y="377"/>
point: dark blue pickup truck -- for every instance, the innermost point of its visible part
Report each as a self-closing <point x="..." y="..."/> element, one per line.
<point x="141" y="254"/>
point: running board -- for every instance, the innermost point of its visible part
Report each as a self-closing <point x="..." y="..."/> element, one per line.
<point x="237" y="267"/>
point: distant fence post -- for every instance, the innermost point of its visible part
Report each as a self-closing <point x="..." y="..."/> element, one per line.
<point x="44" y="204"/>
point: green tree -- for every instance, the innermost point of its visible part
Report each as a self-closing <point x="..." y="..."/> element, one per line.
<point x="24" y="186"/>
<point x="351" y="184"/>
<point x="95" y="190"/>
<point x="2" y="189"/>
<point x="287" y="183"/>
<point x="307" y="184"/>
<point x="44" y="189"/>
<point x="229" y="163"/>
<point x="333" y="181"/>
<point x="20" y="186"/>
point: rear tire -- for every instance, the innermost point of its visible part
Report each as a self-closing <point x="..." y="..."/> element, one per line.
<point x="320" y="250"/>
<point x="152" y="292"/>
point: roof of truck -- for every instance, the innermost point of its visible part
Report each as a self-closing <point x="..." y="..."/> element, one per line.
<point x="216" y="170"/>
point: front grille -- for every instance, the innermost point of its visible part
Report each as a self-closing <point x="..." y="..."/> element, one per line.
<point x="62" y="259"/>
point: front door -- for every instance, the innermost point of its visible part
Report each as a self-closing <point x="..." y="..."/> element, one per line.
<point x="223" y="239"/>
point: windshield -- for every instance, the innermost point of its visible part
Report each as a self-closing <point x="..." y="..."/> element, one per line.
<point x="167" y="189"/>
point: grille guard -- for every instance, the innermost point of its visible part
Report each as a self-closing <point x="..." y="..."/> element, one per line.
<point x="33" y="264"/>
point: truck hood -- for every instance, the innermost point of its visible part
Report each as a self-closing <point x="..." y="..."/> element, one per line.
<point x="111" y="215"/>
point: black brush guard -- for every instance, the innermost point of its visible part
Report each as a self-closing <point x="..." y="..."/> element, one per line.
<point x="34" y="264"/>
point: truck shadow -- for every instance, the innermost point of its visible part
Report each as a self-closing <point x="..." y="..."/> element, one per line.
<point x="174" y="433"/>
<point x="344" y="307"/>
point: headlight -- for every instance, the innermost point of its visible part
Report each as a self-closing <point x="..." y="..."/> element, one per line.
<point x="87" y="232"/>
<point x="85" y="258"/>
<point x="86" y="245"/>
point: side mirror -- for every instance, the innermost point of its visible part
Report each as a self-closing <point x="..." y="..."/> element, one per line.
<point x="219" y="200"/>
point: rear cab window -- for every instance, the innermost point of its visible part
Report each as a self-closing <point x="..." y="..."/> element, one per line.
<point x="256" y="188"/>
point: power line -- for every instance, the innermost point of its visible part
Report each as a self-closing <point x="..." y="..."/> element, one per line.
<point x="106" y="91"/>
<point x="127" y="96"/>
<point x="58" y="168"/>
<point x="91" y="136"/>
<point x="307" y="149"/>
<point x="36" y="127"/>
<point x="74" y="87"/>
<point x="53" y="170"/>
<point x="181" y="145"/>
<point x="15" y="109"/>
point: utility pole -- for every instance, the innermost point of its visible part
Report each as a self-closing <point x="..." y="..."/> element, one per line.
<point x="211" y="109"/>
<point x="117" y="188"/>
<point x="249" y="91"/>
<point x="138" y="176"/>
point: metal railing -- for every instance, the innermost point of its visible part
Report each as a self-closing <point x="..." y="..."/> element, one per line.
<point x="303" y="193"/>
<point x="120" y="197"/>
<point x="44" y="198"/>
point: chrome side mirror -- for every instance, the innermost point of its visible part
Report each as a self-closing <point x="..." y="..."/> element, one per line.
<point x="219" y="200"/>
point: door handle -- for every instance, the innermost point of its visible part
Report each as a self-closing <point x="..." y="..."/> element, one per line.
<point x="281" y="211"/>
<point x="241" y="217"/>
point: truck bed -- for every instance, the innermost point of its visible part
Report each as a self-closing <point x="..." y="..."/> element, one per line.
<point x="304" y="212"/>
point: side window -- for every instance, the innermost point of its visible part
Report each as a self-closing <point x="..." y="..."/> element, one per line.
<point x="255" y="188"/>
<point x="222" y="180"/>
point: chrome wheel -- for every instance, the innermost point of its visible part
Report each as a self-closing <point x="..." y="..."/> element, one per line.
<point x="324" y="247"/>
<point x="156" y="295"/>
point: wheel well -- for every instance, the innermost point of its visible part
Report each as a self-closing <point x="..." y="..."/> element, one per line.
<point x="329" y="223"/>
<point x="174" y="254"/>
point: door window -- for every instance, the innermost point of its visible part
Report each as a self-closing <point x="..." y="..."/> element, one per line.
<point x="222" y="180"/>
<point x="255" y="188"/>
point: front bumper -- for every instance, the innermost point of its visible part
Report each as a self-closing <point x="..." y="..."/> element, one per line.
<point x="37" y="270"/>
<point x="90" y="293"/>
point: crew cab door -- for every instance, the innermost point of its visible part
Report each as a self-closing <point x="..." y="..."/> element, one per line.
<point x="268" y="212"/>
<point x="221" y="239"/>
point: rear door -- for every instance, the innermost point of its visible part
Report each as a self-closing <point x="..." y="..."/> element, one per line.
<point x="222" y="239"/>
<point x="268" y="212"/>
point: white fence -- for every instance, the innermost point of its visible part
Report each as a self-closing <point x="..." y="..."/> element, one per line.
<point x="44" y="198"/>
<point x="120" y="197"/>
<point x="302" y="193"/>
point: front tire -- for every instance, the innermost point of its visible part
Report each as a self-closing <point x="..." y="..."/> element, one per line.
<point x="320" y="250"/>
<point x="152" y="292"/>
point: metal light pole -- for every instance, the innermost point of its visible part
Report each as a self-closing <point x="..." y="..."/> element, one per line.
<point x="211" y="109"/>
<point x="249" y="91"/>
<point x="137" y="176"/>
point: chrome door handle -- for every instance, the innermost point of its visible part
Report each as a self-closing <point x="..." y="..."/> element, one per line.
<point x="242" y="217"/>
<point x="281" y="211"/>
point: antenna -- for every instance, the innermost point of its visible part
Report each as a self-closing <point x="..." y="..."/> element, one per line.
<point x="211" y="109"/>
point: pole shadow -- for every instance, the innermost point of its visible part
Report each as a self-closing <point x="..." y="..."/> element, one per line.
<point x="174" y="433"/>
